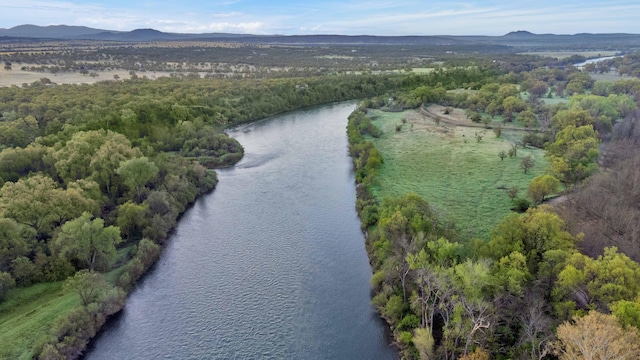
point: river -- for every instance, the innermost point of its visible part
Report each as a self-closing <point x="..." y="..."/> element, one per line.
<point x="271" y="265"/>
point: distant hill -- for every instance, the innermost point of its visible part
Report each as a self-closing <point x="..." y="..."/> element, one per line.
<point x="522" y="39"/>
<point x="51" y="31"/>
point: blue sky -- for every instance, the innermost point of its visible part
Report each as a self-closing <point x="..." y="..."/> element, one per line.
<point x="349" y="17"/>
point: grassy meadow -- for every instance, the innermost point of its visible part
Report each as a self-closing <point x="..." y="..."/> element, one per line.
<point x="27" y="313"/>
<point x="462" y="178"/>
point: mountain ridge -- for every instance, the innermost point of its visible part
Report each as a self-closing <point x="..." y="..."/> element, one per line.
<point x="520" y="38"/>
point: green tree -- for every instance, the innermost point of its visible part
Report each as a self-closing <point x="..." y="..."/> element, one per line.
<point x="424" y="342"/>
<point x="89" y="285"/>
<point x="6" y="283"/>
<point x="528" y="118"/>
<point x="527" y="163"/>
<point x="88" y="242"/>
<point x="542" y="186"/>
<point x="38" y="202"/>
<point x="512" y="105"/>
<point x="574" y="154"/>
<point x="132" y="219"/>
<point x="136" y="173"/>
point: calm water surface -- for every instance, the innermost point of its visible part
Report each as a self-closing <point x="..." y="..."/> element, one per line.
<point x="271" y="264"/>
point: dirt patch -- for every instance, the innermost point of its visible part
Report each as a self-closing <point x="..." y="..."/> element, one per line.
<point x="18" y="77"/>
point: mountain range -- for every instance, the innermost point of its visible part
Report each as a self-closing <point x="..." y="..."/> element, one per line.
<point x="516" y="38"/>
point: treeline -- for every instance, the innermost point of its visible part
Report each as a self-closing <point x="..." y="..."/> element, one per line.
<point x="93" y="177"/>
<point x="527" y="291"/>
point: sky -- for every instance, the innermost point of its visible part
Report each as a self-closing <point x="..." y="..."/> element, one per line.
<point x="345" y="17"/>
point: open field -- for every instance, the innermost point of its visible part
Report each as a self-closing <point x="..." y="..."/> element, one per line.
<point x="27" y="313"/>
<point x="462" y="178"/>
<point x="18" y="77"/>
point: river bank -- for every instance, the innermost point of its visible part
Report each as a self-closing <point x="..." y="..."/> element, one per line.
<point x="263" y="266"/>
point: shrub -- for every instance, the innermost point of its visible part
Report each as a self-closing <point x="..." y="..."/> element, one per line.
<point x="521" y="205"/>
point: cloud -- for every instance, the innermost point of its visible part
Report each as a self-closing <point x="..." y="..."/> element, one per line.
<point x="350" y="17"/>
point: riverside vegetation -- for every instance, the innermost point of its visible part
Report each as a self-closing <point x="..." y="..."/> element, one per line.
<point x="530" y="286"/>
<point x="94" y="177"/>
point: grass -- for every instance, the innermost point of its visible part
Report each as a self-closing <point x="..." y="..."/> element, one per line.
<point x="462" y="178"/>
<point x="26" y="314"/>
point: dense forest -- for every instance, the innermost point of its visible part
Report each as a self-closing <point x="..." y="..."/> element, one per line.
<point x="537" y="287"/>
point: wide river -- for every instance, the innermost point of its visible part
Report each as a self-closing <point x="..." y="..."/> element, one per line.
<point x="270" y="265"/>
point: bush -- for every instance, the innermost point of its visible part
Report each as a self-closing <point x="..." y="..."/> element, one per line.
<point x="521" y="205"/>
<point x="394" y="308"/>
<point x="409" y="322"/>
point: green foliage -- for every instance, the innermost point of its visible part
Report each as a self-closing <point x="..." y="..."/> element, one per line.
<point x="601" y="282"/>
<point x="574" y="154"/>
<point x="6" y="283"/>
<point x="136" y="172"/>
<point x="627" y="313"/>
<point x="38" y="202"/>
<point x="394" y="308"/>
<point x="88" y="284"/>
<point x="424" y="342"/>
<point x="87" y="242"/>
<point x="542" y="186"/>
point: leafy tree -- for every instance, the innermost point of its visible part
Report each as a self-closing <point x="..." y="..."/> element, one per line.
<point x="38" y="202"/>
<point x="132" y="219"/>
<point x="136" y="173"/>
<point x="574" y="154"/>
<point x="88" y="242"/>
<point x="423" y="341"/>
<point x="528" y="118"/>
<point x="627" y="312"/>
<point x="24" y="271"/>
<point x="586" y="282"/>
<point x="89" y="285"/>
<point x="542" y="186"/>
<point x="596" y="336"/>
<point x="512" y="105"/>
<point x="527" y="163"/>
<point x="6" y="283"/>
<point x="15" y="240"/>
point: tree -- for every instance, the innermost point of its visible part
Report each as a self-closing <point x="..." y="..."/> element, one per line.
<point x="38" y="202"/>
<point x="541" y="186"/>
<point x="88" y="242"/>
<point x="512" y="192"/>
<point x="423" y="341"/>
<point x="596" y="336"/>
<point x="6" y="283"/>
<point x="89" y="285"/>
<point x="527" y="163"/>
<point x="512" y="105"/>
<point x="528" y="118"/>
<point x="502" y="154"/>
<point x="574" y="154"/>
<point x="136" y="173"/>
<point x="132" y="219"/>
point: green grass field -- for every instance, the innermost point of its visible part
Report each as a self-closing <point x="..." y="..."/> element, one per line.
<point x="462" y="178"/>
<point x="27" y="313"/>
